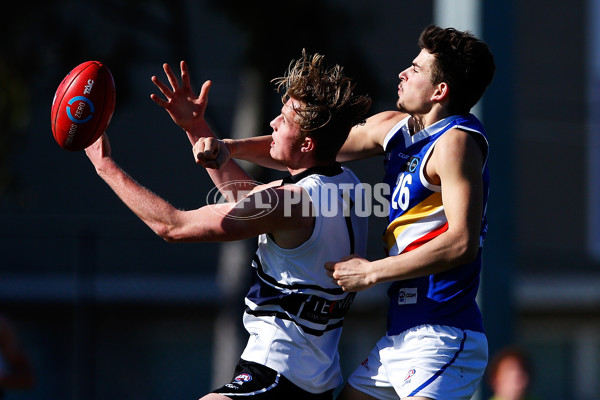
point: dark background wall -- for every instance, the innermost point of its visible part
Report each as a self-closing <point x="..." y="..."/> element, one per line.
<point x="108" y="310"/>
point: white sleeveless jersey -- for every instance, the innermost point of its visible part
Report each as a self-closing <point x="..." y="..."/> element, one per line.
<point x="294" y="312"/>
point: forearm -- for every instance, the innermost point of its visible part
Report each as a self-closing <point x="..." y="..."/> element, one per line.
<point x="158" y="214"/>
<point x="256" y="150"/>
<point x="232" y="181"/>
<point x="439" y="255"/>
<point x="357" y="147"/>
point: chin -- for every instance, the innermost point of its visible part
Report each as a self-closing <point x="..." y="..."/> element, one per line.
<point x="399" y="107"/>
<point x="273" y="155"/>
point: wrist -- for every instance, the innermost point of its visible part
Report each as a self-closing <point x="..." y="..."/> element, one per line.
<point x="372" y="273"/>
<point x="231" y="145"/>
<point x="198" y="130"/>
<point x="106" y="167"/>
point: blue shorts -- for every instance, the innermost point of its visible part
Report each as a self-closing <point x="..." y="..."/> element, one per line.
<point x="439" y="362"/>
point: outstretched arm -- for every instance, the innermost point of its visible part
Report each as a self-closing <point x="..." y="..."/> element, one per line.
<point x="215" y="222"/>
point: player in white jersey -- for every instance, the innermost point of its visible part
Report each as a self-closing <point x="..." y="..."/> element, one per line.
<point x="435" y="154"/>
<point x="294" y="311"/>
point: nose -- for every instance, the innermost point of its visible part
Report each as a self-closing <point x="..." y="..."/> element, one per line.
<point x="403" y="74"/>
<point x="275" y="123"/>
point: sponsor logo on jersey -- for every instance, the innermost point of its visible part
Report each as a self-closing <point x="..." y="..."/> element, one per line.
<point x="407" y="296"/>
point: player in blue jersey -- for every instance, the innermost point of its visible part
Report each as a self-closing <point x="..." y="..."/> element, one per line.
<point x="294" y="312"/>
<point x="436" y="165"/>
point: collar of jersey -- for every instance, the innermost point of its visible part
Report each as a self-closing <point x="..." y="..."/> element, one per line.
<point x="327" y="170"/>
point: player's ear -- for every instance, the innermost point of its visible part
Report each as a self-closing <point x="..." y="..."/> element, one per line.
<point x="441" y="92"/>
<point x="307" y="145"/>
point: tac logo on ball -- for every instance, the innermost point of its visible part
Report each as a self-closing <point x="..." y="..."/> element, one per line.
<point x="80" y="109"/>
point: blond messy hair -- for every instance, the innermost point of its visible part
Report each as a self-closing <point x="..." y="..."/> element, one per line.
<point x="328" y="108"/>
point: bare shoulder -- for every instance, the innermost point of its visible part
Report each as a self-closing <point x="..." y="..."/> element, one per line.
<point x="459" y="144"/>
<point x="456" y="152"/>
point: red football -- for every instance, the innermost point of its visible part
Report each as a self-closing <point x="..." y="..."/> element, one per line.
<point x="83" y="106"/>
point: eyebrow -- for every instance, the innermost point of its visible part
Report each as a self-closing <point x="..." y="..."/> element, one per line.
<point x="414" y="64"/>
<point x="286" y="112"/>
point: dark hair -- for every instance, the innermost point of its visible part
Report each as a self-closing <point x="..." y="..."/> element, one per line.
<point x="514" y="352"/>
<point x="329" y="107"/>
<point x="464" y="62"/>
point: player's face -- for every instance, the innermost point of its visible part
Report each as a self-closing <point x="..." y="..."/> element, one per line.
<point x="286" y="134"/>
<point x="415" y="89"/>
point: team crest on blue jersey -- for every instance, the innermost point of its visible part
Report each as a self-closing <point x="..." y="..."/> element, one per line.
<point x="412" y="164"/>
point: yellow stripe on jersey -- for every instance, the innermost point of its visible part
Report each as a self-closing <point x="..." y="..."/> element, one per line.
<point x="428" y="207"/>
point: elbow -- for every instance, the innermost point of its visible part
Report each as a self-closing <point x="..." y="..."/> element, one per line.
<point x="169" y="233"/>
<point x="172" y="227"/>
<point x="466" y="250"/>
<point x="183" y="234"/>
<point x="165" y="232"/>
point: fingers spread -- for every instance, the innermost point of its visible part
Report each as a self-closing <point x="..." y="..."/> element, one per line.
<point x="162" y="87"/>
<point x="159" y="101"/>
<point x="204" y="91"/>
<point x="185" y="76"/>
<point x="171" y="76"/>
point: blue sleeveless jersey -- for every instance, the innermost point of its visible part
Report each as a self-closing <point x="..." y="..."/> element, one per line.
<point x="416" y="217"/>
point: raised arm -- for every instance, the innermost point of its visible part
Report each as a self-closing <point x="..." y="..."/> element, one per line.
<point x="367" y="140"/>
<point x="187" y="110"/>
<point x="363" y="141"/>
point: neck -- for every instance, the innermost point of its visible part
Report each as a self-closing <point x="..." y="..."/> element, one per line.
<point x="299" y="169"/>
<point x="418" y="122"/>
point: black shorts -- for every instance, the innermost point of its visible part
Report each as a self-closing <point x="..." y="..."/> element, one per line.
<point x="259" y="382"/>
